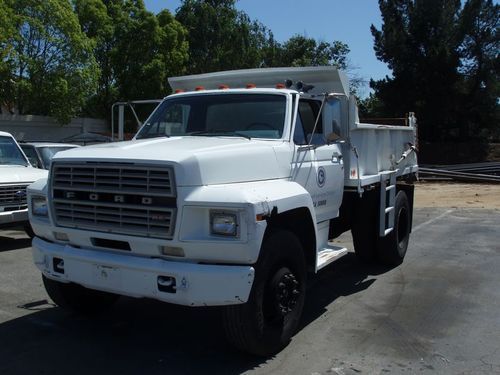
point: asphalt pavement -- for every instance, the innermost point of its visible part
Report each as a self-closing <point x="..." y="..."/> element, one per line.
<point x="439" y="313"/>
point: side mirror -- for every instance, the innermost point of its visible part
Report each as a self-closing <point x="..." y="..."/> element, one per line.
<point x="335" y="138"/>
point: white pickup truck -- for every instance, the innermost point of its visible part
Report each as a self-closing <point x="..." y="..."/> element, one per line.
<point x="229" y="195"/>
<point x="16" y="174"/>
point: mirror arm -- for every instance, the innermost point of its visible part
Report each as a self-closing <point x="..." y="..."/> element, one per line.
<point x="317" y="118"/>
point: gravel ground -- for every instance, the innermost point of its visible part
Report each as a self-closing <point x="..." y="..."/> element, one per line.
<point x="452" y="194"/>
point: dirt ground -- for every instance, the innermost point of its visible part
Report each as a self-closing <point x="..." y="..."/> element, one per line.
<point x="451" y="194"/>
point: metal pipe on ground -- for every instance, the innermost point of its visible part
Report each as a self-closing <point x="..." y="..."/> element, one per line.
<point x="458" y="176"/>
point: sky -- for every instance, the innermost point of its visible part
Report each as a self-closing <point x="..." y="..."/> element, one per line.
<point x="325" y="20"/>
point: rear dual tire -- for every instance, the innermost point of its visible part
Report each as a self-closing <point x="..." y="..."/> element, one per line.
<point x="392" y="248"/>
<point x="368" y="245"/>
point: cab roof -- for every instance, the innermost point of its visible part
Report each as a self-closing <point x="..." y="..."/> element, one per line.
<point x="323" y="79"/>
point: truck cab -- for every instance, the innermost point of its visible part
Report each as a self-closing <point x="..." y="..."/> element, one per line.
<point x="227" y="196"/>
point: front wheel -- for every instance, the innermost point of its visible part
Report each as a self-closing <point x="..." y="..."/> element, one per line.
<point x="266" y="323"/>
<point x="77" y="298"/>
<point x="29" y="230"/>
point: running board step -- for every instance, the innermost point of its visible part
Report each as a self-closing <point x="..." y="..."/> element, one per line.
<point x="329" y="254"/>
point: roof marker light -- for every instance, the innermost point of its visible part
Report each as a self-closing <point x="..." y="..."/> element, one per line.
<point x="177" y="91"/>
<point x="280" y="86"/>
<point x="251" y="85"/>
<point x="223" y="87"/>
<point x="199" y="88"/>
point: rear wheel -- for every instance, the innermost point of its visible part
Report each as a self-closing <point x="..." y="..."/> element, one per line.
<point x="77" y="298"/>
<point x="364" y="227"/>
<point x="266" y="323"/>
<point x="392" y="248"/>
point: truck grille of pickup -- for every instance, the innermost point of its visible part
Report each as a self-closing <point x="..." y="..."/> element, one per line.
<point x="12" y="197"/>
<point x="129" y="199"/>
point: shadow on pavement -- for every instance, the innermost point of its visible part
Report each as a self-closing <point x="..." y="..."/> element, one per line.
<point x="13" y="243"/>
<point x="149" y="337"/>
<point x="344" y="277"/>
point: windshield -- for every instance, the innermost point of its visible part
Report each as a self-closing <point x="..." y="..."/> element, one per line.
<point x="239" y="115"/>
<point x="30" y="152"/>
<point x="48" y="152"/>
<point x="10" y="152"/>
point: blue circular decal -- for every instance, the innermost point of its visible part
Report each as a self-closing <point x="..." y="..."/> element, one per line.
<point x="321" y="176"/>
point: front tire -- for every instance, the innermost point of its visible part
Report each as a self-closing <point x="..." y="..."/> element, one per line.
<point x="77" y="298"/>
<point x="29" y="230"/>
<point x="265" y="324"/>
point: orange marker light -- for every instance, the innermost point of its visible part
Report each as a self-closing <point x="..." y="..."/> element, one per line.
<point x="199" y="88"/>
<point x="280" y="86"/>
<point x="223" y="87"/>
<point x="251" y="85"/>
<point x="179" y="91"/>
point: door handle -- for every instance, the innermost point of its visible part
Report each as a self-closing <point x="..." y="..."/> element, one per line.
<point x="336" y="158"/>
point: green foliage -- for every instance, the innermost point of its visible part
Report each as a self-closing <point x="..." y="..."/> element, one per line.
<point x="7" y="33"/>
<point x="135" y="50"/>
<point x="223" y="38"/>
<point x="370" y="107"/>
<point x="479" y="28"/>
<point x="220" y="37"/>
<point x="50" y="69"/>
<point x="302" y="51"/>
<point x="427" y="44"/>
<point x="62" y="59"/>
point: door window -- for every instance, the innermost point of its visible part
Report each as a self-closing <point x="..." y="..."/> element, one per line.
<point x="308" y="110"/>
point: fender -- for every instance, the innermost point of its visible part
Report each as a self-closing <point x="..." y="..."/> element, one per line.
<point x="259" y="199"/>
<point x="271" y="196"/>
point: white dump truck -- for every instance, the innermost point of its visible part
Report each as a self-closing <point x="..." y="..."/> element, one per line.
<point x="229" y="195"/>
<point x="16" y="173"/>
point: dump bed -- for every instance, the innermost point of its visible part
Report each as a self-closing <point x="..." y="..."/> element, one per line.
<point x="374" y="150"/>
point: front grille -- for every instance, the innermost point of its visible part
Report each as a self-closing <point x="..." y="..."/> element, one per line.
<point x="137" y="200"/>
<point x="12" y="197"/>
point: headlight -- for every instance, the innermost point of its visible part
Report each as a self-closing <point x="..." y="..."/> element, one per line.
<point x="39" y="206"/>
<point x="223" y="224"/>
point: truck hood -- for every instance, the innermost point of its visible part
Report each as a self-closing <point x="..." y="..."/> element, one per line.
<point x="197" y="160"/>
<point x="13" y="174"/>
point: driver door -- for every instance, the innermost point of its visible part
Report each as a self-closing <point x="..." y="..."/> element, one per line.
<point x="319" y="167"/>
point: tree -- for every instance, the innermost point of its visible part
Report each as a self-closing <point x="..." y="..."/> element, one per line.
<point x="98" y="25"/>
<point x="223" y="38"/>
<point x="444" y="59"/>
<point x="303" y="51"/>
<point x="135" y="50"/>
<point x="7" y="34"/>
<point x="479" y="50"/>
<point x="51" y="69"/>
<point x="220" y="36"/>
<point x="146" y="53"/>
<point x="419" y="42"/>
<point x="300" y="50"/>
